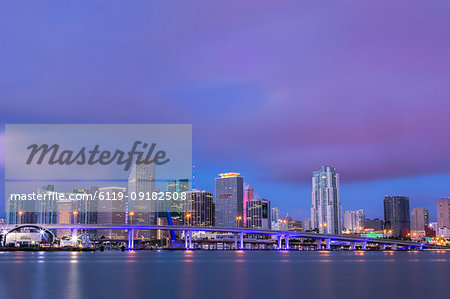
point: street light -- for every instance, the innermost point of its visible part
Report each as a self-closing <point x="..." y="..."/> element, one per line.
<point x="131" y="217"/>
<point x="188" y="216"/>
<point x="238" y="218"/>
<point x="20" y="217"/>
<point x="75" y="213"/>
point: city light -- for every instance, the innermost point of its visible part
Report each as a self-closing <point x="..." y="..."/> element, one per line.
<point x="229" y="174"/>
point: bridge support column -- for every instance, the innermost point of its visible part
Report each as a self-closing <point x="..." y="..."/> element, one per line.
<point x="279" y="242"/>
<point x="382" y="246"/>
<point x="73" y="233"/>
<point x="235" y="241"/>
<point x="319" y="244"/>
<point x="241" y="245"/>
<point x="190" y="239"/>
<point x="328" y="244"/>
<point x="186" y="237"/>
<point x="131" y="238"/>
<point x="352" y="245"/>
<point x="394" y="247"/>
<point x="364" y="245"/>
<point x="286" y="240"/>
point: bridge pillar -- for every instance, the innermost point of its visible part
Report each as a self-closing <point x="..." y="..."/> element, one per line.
<point x="394" y="247"/>
<point x="131" y="238"/>
<point x="352" y="245"/>
<point x="190" y="239"/>
<point x="73" y="233"/>
<point x="235" y="241"/>
<point x="382" y="246"/>
<point x="186" y="236"/>
<point x="364" y="245"/>
<point x="328" y="244"/>
<point x="286" y="240"/>
<point x="319" y="244"/>
<point x="241" y="236"/>
<point x="279" y="242"/>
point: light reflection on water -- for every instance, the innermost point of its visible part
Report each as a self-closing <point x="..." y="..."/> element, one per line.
<point x="226" y="274"/>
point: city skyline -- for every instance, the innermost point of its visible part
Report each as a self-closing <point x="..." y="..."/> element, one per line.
<point x="357" y="102"/>
<point x="230" y="149"/>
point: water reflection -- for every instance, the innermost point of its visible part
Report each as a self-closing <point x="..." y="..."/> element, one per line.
<point x="231" y="274"/>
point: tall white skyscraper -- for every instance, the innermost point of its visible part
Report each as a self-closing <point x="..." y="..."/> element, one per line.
<point x="142" y="181"/>
<point x="326" y="210"/>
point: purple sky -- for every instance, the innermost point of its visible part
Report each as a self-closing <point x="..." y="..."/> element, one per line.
<point x="273" y="90"/>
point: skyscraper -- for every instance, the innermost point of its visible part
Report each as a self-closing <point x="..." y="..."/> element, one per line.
<point x="229" y="200"/>
<point x="354" y="221"/>
<point x="396" y="215"/>
<point x="258" y="213"/>
<point x="248" y="195"/>
<point x="275" y="218"/>
<point x="326" y="210"/>
<point x="142" y="181"/>
<point x="199" y="208"/>
<point x="47" y="212"/>
<point x="112" y="212"/>
<point x="443" y="212"/>
<point x="419" y="219"/>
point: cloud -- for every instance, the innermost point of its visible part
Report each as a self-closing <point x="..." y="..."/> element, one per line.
<point x="285" y="87"/>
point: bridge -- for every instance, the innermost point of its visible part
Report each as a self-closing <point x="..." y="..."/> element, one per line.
<point x="237" y="231"/>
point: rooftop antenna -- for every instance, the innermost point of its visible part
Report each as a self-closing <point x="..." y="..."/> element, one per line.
<point x="193" y="176"/>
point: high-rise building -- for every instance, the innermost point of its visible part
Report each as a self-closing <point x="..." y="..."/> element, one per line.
<point x="275" y="218"/>
<point x="291" y="225"/>
<point x="443" y="212"/>
<point x="199" y="209"/>
<point x="112" y="212"/>
<point x="275" y="214"/>
<point x="47" y="212"/>
<point x="258" y="213"/>
<point x="307" y="227"/>
<point x="374" y="224"/>
<point x="326" y="210"/>
<point x="396" y="215"/>
<point x="142" y="181"/>
<point x="354" y="221"/>
<point x="248" y="195"/>
<point x="32" y="211"/>
<point x="229" y="200"/>
<point x="419" y="219"/>
<point x="67" y="210"/>
<point x="175" y="209"/>
<point x="87" y="209"/>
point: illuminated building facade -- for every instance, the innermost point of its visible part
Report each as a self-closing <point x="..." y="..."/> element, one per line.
<point x="199" y="208"/>
<point x="142" y="179"/>
<point x="354" y="221"/>
<point x="443" y="212"/>
<point x="326" y="210"/>
<point x="419" y="219"/>
<point x="112" y="212"/>
<point x="397" y="215"/>
<point x="248" y="195"/>
<point x="258" y="213"/>
<point x="229" y="200"/>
